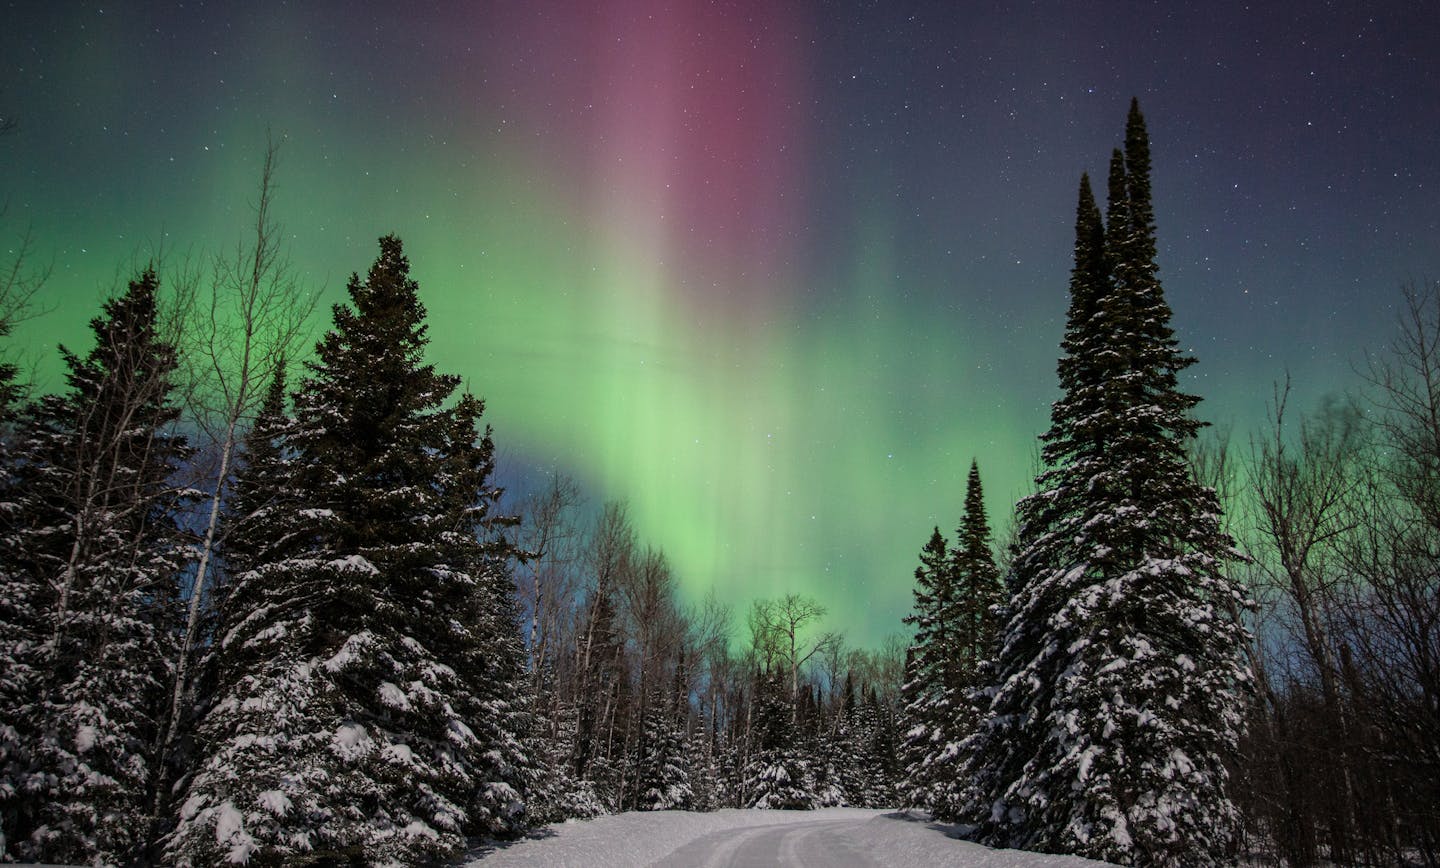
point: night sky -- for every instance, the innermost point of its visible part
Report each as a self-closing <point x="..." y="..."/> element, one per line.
<point x="773" y="271"/>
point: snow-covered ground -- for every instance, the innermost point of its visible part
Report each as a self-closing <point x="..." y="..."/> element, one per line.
<point x="833" y="837"/>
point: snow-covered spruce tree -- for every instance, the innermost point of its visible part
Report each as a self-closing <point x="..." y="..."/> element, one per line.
<point x="979" y="592"/>
<point x="1118" y="682"/>
<point x="926" y="693"/>
<point x="371" y="708"/>
<point x="17" y="616"/>
<point x="20" y="641"/>
<point x="96" y="558"/>
<point x="868" y="787"/>
<point x="979" y="597"/>
<point x="846" y="753"/>
<point x="510" y="765"/>
<point x="777" y="776"/>
<point x="254" y="533"/>
<point x="10" y="391"/>
<point x="663" y="777"/>
<point x="257" y="696"/>
<point x="701" y="751"/>
<point x="883" y="772"/>
<point x="556" y="795"/>
<point x="18" y="619"/>
<point x="730" y="760"/>
<point x="956" y="596"/>
<point x="827" y="761"/>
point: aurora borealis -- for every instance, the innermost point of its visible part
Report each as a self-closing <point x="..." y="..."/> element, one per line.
<point x="772" y="271"/>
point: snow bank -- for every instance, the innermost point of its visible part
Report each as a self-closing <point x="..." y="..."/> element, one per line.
<point x="888" y="839"/>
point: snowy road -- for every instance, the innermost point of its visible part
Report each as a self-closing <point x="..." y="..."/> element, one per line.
<point x="819" y="844"/>
<point x="833" y="838"/>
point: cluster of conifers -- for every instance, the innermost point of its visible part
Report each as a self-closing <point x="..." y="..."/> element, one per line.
<point x="1092" y="709"/>
<point x="355" y="686"/>
<point x="1146" y="688"/>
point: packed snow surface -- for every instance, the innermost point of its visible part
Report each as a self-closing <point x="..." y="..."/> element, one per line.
<point x="832" y="837"/>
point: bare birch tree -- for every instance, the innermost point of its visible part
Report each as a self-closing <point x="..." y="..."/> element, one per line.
<point x="781" y="627"/>
<point x="242" y="330"/>
<point x="551" y="539"/>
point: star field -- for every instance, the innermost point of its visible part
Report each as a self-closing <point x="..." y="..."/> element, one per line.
<point x="774" y="272"/>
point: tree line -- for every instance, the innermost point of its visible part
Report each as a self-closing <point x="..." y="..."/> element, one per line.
<point x="645" y="703"/>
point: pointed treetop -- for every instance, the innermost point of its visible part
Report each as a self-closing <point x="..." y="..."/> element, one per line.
<point x="388" y="296"/>
<point x="936" y="544"/>
<point x="131" y="359"/>
<point x="274" y="403"/>
<point x="974" y="562"/>
<point x="1137" y="144"/>
<point x="931" y="579"/>
<point x="392" y="256"/>
<point x="1088" y="280"/>
<point x="1087" y="200"/>
<point x="930" y="573"/>
<point x="1140" y="229"/>
<point x="1087" y="274"/>
<point x="260" y="445"/>
<point x="1089" y="238"/>
<point x="975" y="525"/>
<point x="124" y="317"/>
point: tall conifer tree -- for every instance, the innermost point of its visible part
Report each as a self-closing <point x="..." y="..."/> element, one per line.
<point x="978" y="591"/>
<point x="253" y="533"/>
<point x="96" y="557"/>
<point x="778" y="775"/>
<point x="956" y="596"/>
<point x="375" y="716"/>
<point x="845" y="751"/>
<point x="18" y="624"/>
<point x="253" y="691"/>
<point x="881" y="749"/>
<point x="1117" y="687"/>
<point x="924" y="692"/>
<point x="663" y="776"/>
